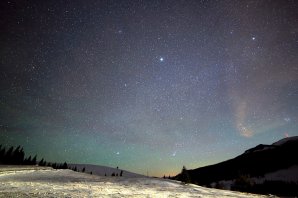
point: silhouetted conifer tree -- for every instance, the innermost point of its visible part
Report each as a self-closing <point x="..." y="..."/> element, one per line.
<point x="64" y="166"/>
<point x="21" y="156"/>
<point x="2" y="154"/>
<point x="54" y="166"/>
<point x="34" y="160"/>
<point x="113" y="174"/>
<point x="121" y="173"/>
<point x="8" y="156"/>
<point x="83" y="170"/>
<point x="185" y="176"/>
<point x="41" y="162"/>
<point x="28" y="160"/>
<point x="14" y="156"/>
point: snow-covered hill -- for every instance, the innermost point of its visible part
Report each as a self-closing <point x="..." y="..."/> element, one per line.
<point x="66" y="183"/>
<point x="104" y="170"/>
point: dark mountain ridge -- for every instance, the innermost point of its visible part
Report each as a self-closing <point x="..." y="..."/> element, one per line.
<point x="254" y="162"/>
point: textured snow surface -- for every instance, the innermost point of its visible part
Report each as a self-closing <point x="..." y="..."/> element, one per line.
<point x="67" y="183"/>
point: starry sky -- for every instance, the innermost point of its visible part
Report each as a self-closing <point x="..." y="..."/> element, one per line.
<point x="148" y="86"/>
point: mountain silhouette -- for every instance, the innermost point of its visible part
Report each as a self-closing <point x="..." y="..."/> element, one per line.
<point x="253" y="163"/>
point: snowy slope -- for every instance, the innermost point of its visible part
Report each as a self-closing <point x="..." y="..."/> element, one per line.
<point x="5" y="168"/>
<point x="67" y="183"/>
<point x="102" y="170"/>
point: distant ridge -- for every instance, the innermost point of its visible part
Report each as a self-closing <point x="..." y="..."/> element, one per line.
<point x="104" y="170"/>
<point x="281" y="142"/>
<point x="285" y="140"/>
<point x="259" y="164"/>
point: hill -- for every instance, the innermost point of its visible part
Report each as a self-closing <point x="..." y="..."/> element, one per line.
<point x="104" y="170"/>
<point x="252" y="167"/>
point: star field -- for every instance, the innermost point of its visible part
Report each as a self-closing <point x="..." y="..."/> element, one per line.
<point x="147" y="85"/>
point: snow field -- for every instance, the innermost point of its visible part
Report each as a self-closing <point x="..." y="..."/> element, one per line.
<point x="67" y="183"/>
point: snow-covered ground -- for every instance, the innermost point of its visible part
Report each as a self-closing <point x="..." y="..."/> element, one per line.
<point x="35" y="182"/>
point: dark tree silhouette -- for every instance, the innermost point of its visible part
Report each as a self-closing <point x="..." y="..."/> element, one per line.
<point x="17" y="157"/>
<point x="64" y="166"/>
<point x="83" y="170"/>
<point x="41" y="162"/>
<point x="121" y="173"/>
<point x="185" y="176"/>
<point x="8" y="156"/>
<point x="54" y="165"/>
<point x="2" y="154"/>
<point x="21" y="156"/>
<point x="14" y="156"/>
<point x="34" y="160"/>
<point x="28" y="160"/>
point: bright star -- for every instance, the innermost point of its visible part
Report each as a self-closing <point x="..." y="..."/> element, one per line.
<point x="174" y="154"/>
<point x="253" y="38"/>
<point x="161" y="59"/>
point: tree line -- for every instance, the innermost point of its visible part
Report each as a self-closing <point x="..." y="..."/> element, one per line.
<point x="16" y="156"/>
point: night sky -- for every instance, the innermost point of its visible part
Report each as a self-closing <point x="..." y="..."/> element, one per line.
<point x="148" y="86"/>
